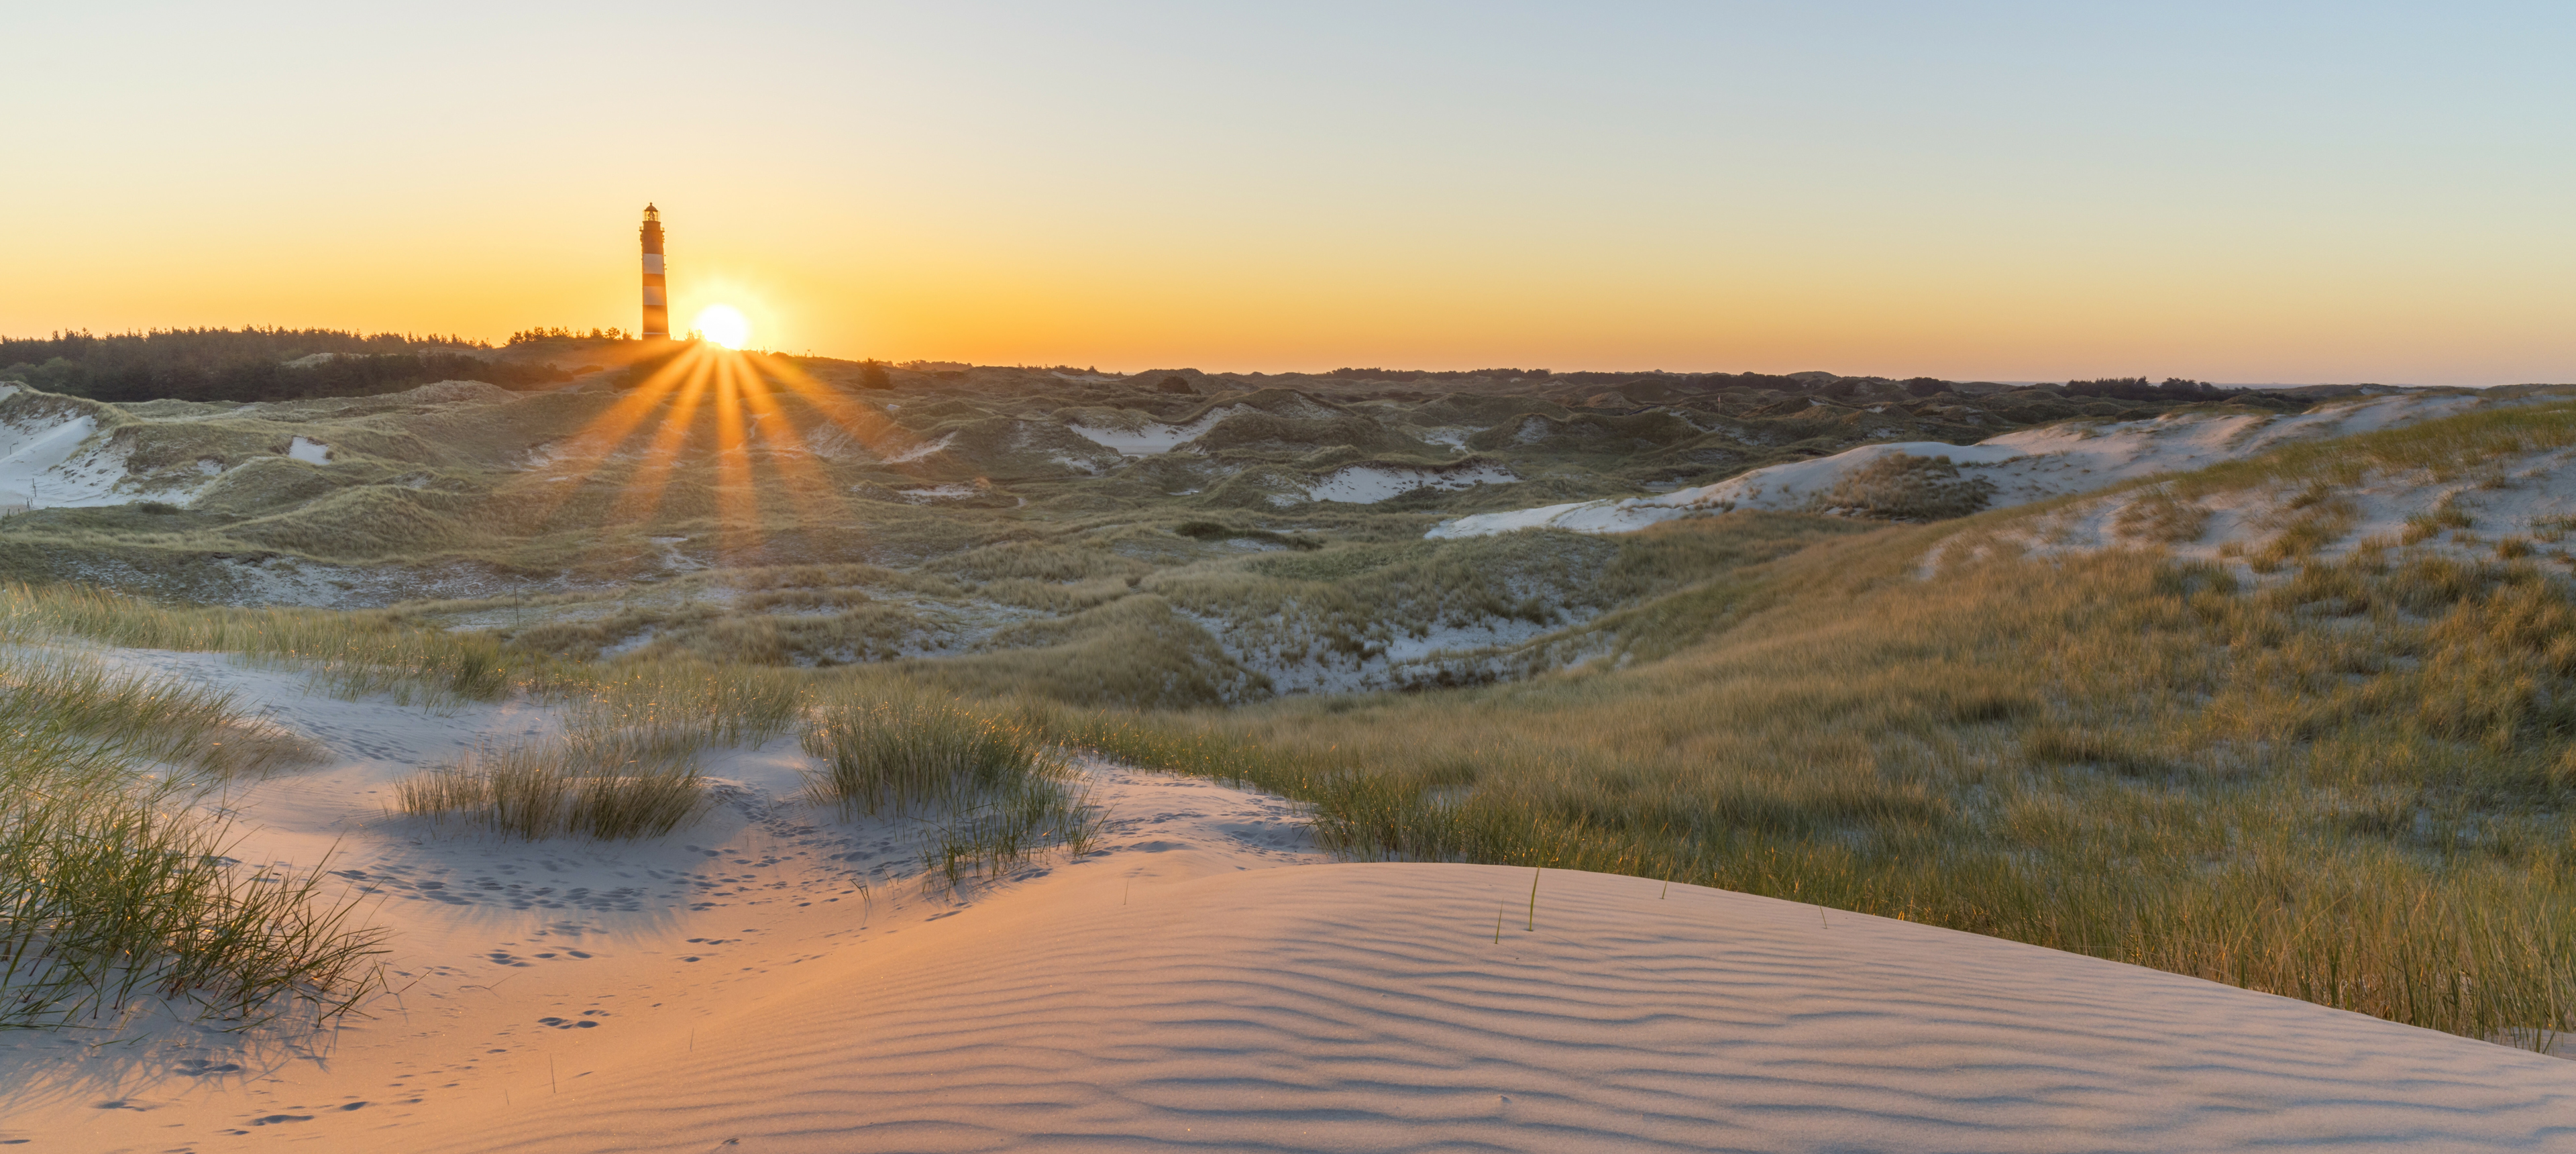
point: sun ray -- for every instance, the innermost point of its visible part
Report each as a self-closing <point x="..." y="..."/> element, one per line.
<point x="798" y="466"/>
<point x="588" y="449"/>
<point x="738" y="528"/>
<point x="867" y="426"/>
<point x="645" y="490"/>
<point x="610" y="428"/>
<point x="763" y="423"/>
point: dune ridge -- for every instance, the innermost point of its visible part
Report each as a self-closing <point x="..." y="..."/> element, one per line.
<point x="774" y="980"/>
<point x="2022" y="466"/>
<point x="1371" y="1007"/>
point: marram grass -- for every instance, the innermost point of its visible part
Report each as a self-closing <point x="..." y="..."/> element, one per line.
<point x="114" y="888"/>
<point x="627" y="765"/>
<point x="992" y="793"/>
<point x="346" y="654"/>
<point x="2352" y="784"/>
<point x="2351" y="781"/>
<point x="611" y="785"/>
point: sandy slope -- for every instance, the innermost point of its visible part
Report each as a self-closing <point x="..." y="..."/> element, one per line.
<point x="770" y="982"/>
<point x="511" y="958"/>
<point x="1368" y="485"/>
<point x="1369" y="1007"/>
<point x="56" y="457"/>
<point x="55" y="462"/>
<point x="2026" y="465"/>
<point x="1151" y="437"/>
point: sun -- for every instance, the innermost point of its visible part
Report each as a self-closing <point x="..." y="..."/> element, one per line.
<point x="723" y="324"/>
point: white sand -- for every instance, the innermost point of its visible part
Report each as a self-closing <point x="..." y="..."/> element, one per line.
<point x="730" y="988"/>
<point x="2025" y="465"/>
<point x="58" y="457"/>
<point x="59" y="461"/>
<point x="1370" y="484"/>
<point x="924" y="493"/>
<point x="924" y="449"/>
<point x="2525" y="495"/>
<point x="1150" y="437"/>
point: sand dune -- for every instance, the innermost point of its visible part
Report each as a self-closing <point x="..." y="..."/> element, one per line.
<point x="1370" y="1007"/>
<point x="1368" y="485"/>
<point x="2024" y="466"/>
<point x="773" y="980"/>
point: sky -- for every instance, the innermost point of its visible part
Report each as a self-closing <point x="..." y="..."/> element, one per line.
<point x="2235" y="192"/>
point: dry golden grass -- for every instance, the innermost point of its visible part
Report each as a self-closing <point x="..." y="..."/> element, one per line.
<point x="597" y="785"/>
<point x="2348" y="781"/>
<point x="626" y="766"/>
<point x="348" y="654"/>
<point x="990" y="791"/>
<point x="2157" y="516"/>
<point x="115" y="888"/>
<point x="2348" y="786"/>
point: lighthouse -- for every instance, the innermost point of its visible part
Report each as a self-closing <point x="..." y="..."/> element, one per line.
<point x="657" y="296"/>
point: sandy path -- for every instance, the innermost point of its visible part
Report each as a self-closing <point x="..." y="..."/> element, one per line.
<point x="515" y="964"/>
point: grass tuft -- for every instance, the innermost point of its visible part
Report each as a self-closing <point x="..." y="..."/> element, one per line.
<point x="115" y="888"/>
<point x="347" y="654"/>
<point x="627" y="766"/>
<point x="992" y="792"/>
<point x="613" y="785"/>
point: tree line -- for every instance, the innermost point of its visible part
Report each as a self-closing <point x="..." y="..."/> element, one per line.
<point x="252" y="364"/>
<point x="2139" y="389"/>
<point x="542" y="334"/>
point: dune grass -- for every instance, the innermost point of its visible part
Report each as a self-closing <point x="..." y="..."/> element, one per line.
<point x="2448" y="449"/>
<point x="627" y="764"/>
<point x="353" y="654"/>
<point x="992" y="792"/>
<point x="2352" y="786"/>
<point x="607" y="786"/>
<point x="347" y="654"/>
<point x="113" y="888"/>
<point x="151" y="719"/>
<point x="2350" y="781"/>
<point x="688" y="702"/>
<point x="625" y="769"/>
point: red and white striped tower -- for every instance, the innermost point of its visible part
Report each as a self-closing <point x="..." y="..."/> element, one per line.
<point x="657" y="296"/>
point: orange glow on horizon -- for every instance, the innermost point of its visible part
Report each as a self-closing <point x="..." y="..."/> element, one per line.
<point x="1284" y="195"/>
